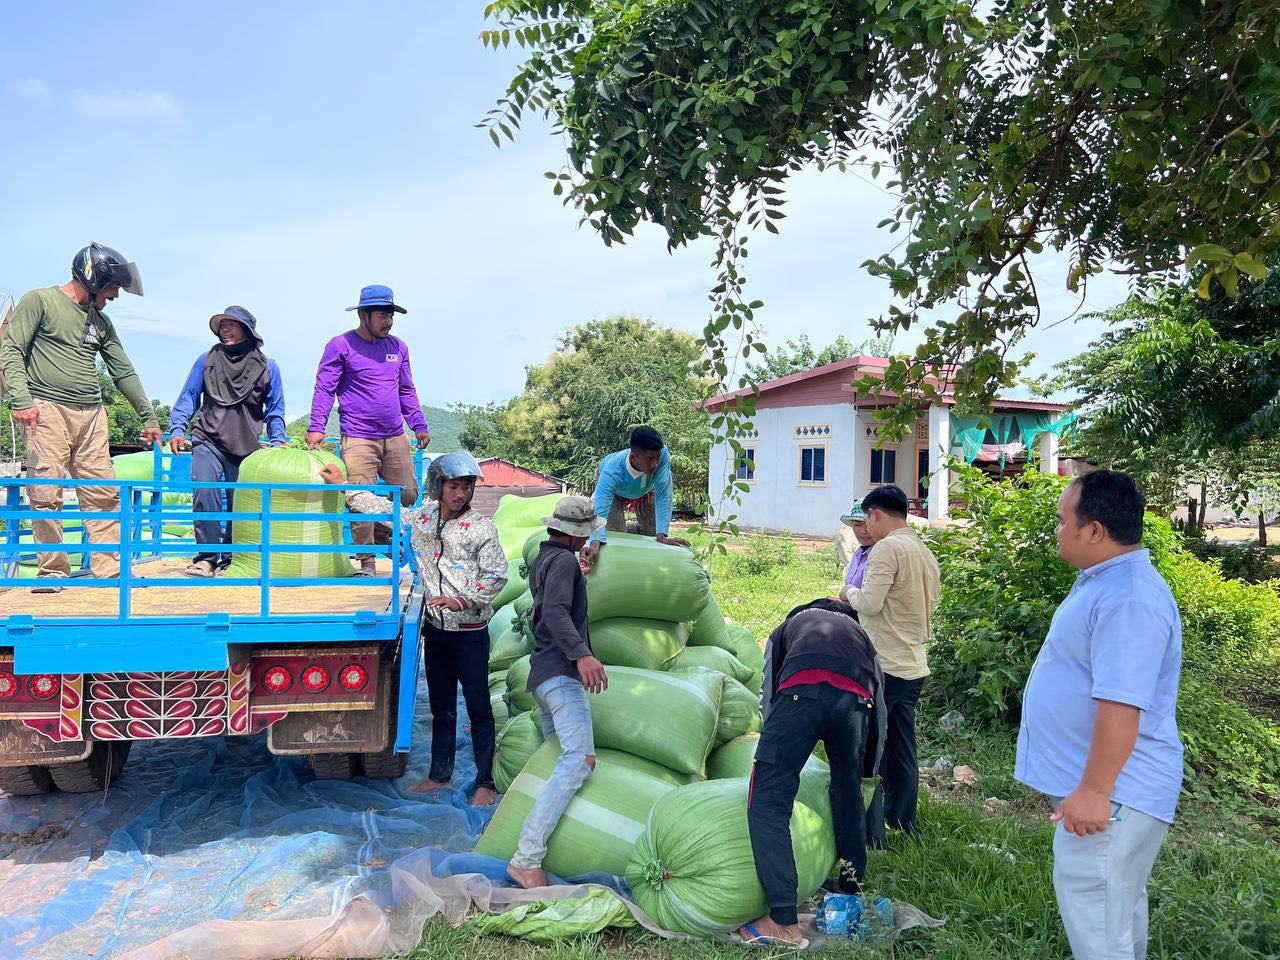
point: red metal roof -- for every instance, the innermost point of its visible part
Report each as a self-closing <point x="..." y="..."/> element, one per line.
<point x="504" y="473"/>
<point x="832" y="383"/>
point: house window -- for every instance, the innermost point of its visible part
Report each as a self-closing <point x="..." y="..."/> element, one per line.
<point x="884" y="466"/>
<point x="746" y="465"/>
<point x="813" y="464"/>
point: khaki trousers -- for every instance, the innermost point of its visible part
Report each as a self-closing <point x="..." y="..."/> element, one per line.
<point x="70" y="440"/>
<point x="367" y="460"/>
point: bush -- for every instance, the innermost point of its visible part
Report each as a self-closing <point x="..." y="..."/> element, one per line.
<point x="764" y="553"/>
<point x="1249" y="562"/>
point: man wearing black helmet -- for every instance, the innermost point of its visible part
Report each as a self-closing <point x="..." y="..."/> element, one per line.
<point x="463" y="568"/>
<point x="48" y="357"/>
<point x="238" y="392"/>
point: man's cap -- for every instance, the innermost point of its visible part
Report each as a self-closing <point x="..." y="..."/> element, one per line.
<point x="241" y="316"/>
<point x="574" y="517"/>
<point x="855" y="515"/>
<point x="376" y="296"/>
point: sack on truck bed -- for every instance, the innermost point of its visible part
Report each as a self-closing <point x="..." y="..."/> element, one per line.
<point x="516" y="742"/>
<point x="667" y="718"/>
<point x="637" y="642"/>
<point x="692" y="869"/>
<point x="289" y="465"/>
<point x="601" y="823"/>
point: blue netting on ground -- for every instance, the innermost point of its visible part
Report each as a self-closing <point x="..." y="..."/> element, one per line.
<point x="215" y="829"/>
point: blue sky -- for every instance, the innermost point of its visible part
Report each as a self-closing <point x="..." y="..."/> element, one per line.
<point x="282" y="155"/>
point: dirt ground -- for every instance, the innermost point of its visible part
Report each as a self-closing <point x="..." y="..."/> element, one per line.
<point x="1242" y="534"/>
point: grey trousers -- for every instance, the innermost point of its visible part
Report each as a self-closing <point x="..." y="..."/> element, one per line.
<point x="1101" y="884"/>
<point x="646" y="516"/>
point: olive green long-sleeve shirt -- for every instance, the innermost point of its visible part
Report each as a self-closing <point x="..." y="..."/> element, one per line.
<point x="50" y="350"/>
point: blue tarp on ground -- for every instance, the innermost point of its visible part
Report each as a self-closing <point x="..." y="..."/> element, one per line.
<point x="215" y="829"/>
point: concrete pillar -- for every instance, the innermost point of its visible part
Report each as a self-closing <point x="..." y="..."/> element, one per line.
<point x="1048" y="444"/>
<point x="939" y="453"/>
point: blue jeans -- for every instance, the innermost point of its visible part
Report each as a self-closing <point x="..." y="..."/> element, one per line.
<point x="565" y="713"/>
<point x="209" y="464"/>
<point x="1101" y="884"/>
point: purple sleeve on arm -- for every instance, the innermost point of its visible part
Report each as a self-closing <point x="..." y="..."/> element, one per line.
<point x="327" y="376"/>
<point x="410" y="408"/>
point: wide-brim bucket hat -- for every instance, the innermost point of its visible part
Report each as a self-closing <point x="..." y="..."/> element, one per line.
<point x="241" y="316"/>
<point x="376" y="296"/>
<point x="855" y="515"/>
<point x="574" y="517"/>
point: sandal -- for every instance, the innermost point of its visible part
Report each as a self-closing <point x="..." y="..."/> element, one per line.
<point x="201" y="568"/>
<point x="759" y="940"/>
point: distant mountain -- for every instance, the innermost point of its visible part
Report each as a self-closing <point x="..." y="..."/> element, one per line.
<point x="446" y="427"/>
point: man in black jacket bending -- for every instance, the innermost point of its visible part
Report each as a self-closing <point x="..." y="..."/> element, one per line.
<point x="823" y="680"/>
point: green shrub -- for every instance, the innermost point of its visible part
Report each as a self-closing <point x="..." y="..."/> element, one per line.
<point x="1250" y="562"/>
<point x="764" y="553"/>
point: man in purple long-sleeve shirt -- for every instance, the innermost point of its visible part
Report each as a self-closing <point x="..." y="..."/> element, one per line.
<point x="367" y="370"/>
<point x="856" y="520"/>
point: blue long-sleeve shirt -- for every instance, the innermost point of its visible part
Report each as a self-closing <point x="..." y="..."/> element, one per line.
<point x="617" y="480"/>
<point x="192" y="397"/>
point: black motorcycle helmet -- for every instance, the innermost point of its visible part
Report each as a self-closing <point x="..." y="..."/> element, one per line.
<point x="97" y="267"/>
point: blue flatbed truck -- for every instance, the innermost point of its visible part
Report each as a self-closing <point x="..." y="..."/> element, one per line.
<point x="327" y="666"/>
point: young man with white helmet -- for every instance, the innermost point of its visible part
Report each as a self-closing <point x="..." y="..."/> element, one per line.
<point x="49" y="355"/>
<point x="463" y="568"/>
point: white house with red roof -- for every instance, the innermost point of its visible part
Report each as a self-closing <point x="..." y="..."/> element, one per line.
<point x="813" y="449"/>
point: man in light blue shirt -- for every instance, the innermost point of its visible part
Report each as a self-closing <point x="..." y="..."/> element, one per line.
<point x="1099" y="733"/>
<point x="638" y="478"/>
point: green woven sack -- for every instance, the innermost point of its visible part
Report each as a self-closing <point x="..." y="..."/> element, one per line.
<point x="601" y="823"/>
<point x="739" y="712"/>
<point x="710" y="630"/>
<point x="516" y="511"/>
<point x="497" y="698"/>
<point x="518" y="698"/>
<point x="636" y="642"/>
<point x="142" y="466"/>
<point x="743" y="645"/>
<point x="289" y="465"/>
<point x="506" y="650"/>
<point x="636" y="576"/>
<point x="515" y="744"/>
<point x="523" y="603"/>
<point x="735" y="759"/>
<point x="664" y="717"/>
<point x="713" y="658"/>
<point x="533" y="546"/>
<point x="514" y="586"/>
<point x="512" y="539"/>
<point x="692" y="870"/>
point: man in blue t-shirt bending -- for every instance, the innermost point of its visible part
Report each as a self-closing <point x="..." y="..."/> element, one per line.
<point x="1099" y="733"/>
<point x="637" y="479"/>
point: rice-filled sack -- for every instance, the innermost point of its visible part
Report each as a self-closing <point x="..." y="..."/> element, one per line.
<point x="516" y="511"/>
<point x="713" y="658"/>
<point x="516" y="742"/>
<point x="142" y="466"/>
<point x="514" y="586"/>
<point x="497" y="698"/>
<point x="669" y="718"/>
<point x="743" y="645"/>
<point x="518" y="698"/>
<point x="692" y="870"/>
<point x="637" y="642"/>
<point x="602" y="821"/>
<point x="290" y="465"/>
<point x="739" y="712"/>
<point x="735" y="758"/>
<point x="710" y="630"/>
<point x="523" y="604"/>
<point x="506" y="650"/>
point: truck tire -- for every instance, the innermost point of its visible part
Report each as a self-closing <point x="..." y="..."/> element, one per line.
<point x="387" y="764"/>
<point x="95" y="772"/>
<point x="334" y="766"/>
<point x="25" y="781"/>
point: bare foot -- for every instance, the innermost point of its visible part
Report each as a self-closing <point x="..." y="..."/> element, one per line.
<point x="484" y="797"/>
<point x="427" y="785"/>
<point x="765" y="932"/>
<point x="533" y="877"/>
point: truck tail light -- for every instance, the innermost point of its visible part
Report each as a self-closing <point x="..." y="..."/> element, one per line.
<point x="315" y="678"/>
<point x="8" y="685"/>
<point x="277" y="679"/>
<point x="353" y="677"/>
<point x="43" y="686"/>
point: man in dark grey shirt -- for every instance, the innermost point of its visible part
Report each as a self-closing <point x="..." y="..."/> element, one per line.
<point x="562" y="671"/>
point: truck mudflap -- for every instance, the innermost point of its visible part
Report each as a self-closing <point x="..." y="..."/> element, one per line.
<point x="21" y="745"/>
<point x="364" y="730"/>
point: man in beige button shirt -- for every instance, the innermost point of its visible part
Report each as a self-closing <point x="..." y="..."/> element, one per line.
<point x="895" y="605"/>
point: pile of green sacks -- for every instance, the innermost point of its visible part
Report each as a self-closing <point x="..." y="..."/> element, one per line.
<point x="675" y="737"/>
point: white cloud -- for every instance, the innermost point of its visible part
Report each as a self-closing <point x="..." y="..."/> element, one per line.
<point x="134" y="105"/>
<point x="31" y="88"/>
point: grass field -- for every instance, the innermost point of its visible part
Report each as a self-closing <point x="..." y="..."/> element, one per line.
<point x="982" y="857"/>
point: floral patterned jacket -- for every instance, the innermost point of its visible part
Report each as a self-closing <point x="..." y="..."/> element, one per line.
<point x="460" y="558"/>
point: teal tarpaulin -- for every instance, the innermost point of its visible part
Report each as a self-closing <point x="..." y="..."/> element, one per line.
<point x="969" y="433"/>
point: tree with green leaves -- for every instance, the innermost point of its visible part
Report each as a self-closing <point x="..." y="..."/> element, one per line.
<point x="1139" y="136"/>
<point x="605" y="378"/>
<point x="799" y="354"/>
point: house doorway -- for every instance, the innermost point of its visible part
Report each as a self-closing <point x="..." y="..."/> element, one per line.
<point x="922" y="472"/>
